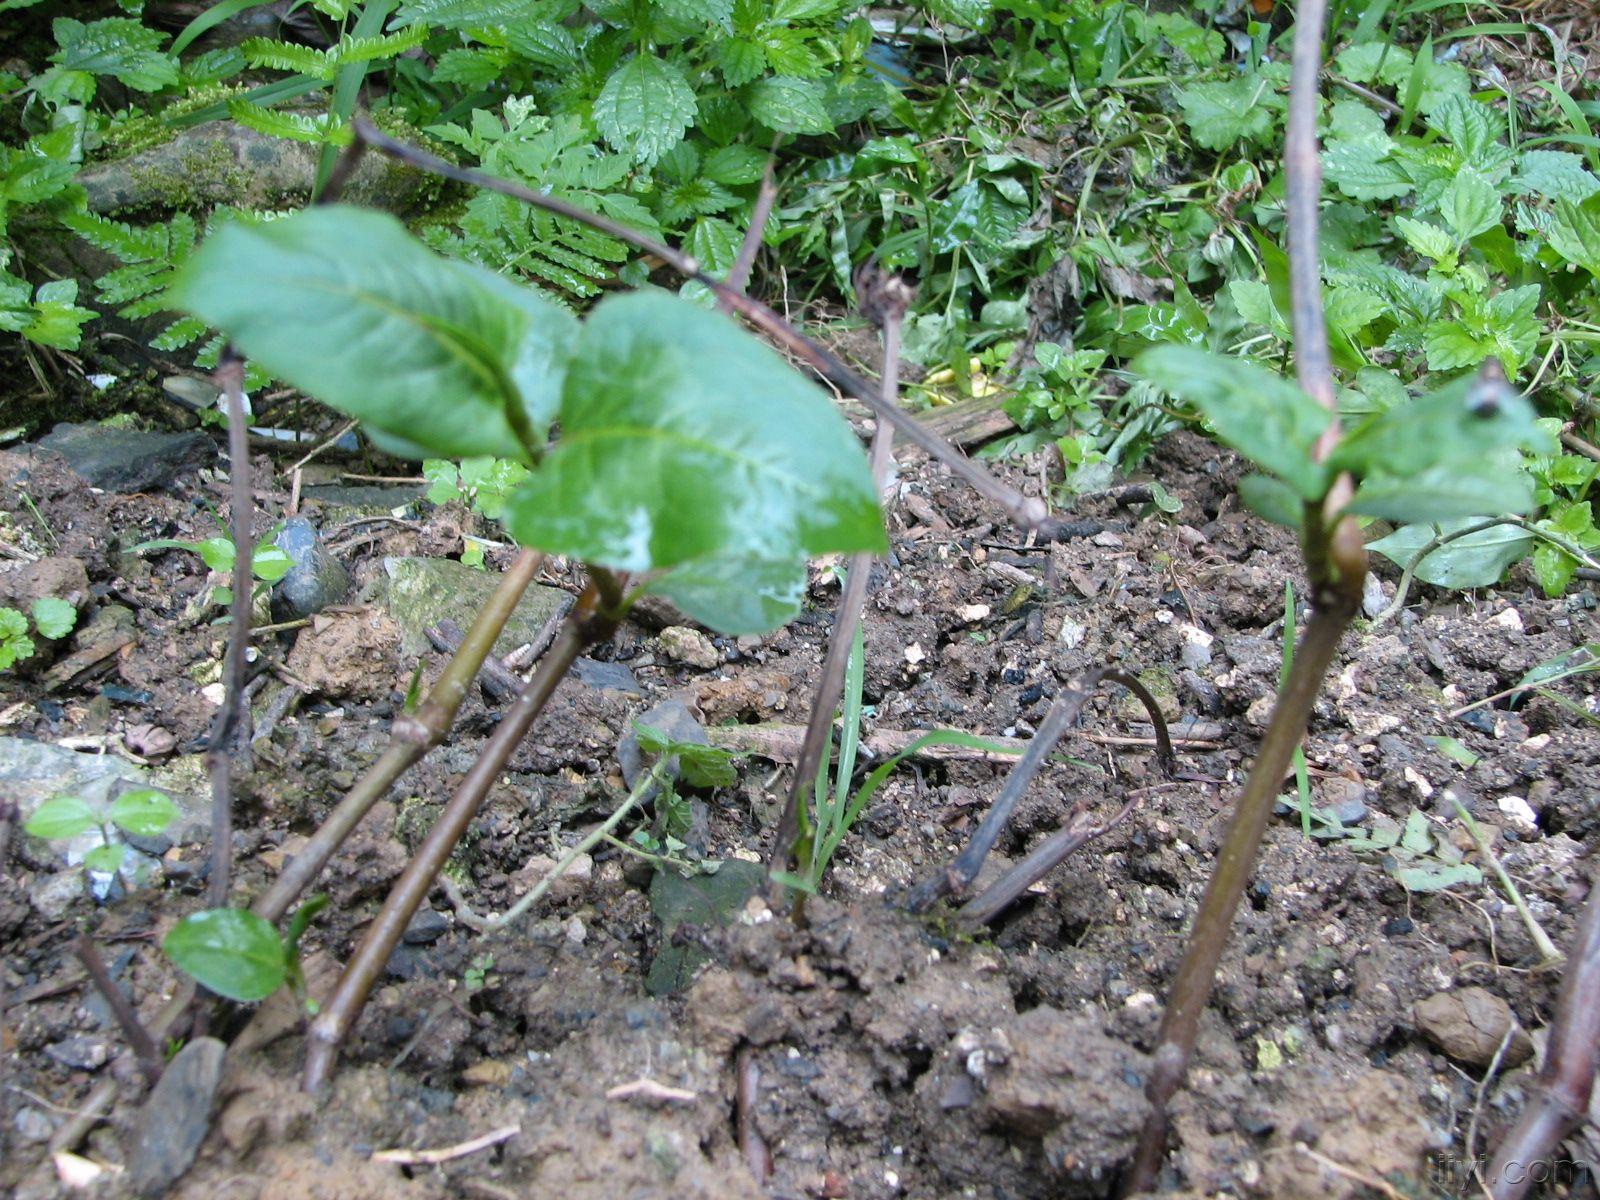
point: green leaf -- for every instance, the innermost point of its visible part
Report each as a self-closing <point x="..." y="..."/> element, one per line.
<point x="1427" y="240"/>
<point x="57" y="319"/>
<point x="107" y="858"/>
<point x="1554" y="175"/>
<point x="1470" y="205"/>
<point x="344" y="304"/>
<point x="61" y="817"/>
<point x="1435" y="877"/>
<point x="233" y="952"/>
<point x="1439" y="493"/>
<point x="143" y="813"/>
<point x="644" y="107"/>
<point x="216" y="552"/>
<point x="1363" y="171"/>
<point x="790" y="105"/>
<point x="969" y="14"/>
<point x="736" y="596"/>
<point x="1574" y="233"/>
<point x="734" y="165"/>
<point x="1220" y="115"/>
<point x="1273" y="500"/>
<point x="976" y="213"/>
<point x="740" y="61"/>
<point x="15" y="644"/>
<point x="270" y="564"/>
<point x="683" y="439"/>
<point x="1261" y="415"/>
<point x="1449" y="426"/>
<point x="116" y="46"/>
<point x="1476" y="560"/>
<point x="54" y="617"/>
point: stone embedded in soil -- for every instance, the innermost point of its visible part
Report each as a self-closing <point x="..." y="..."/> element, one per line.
<point x="347" y="502"/>
<point x="175" y="1118"/>
<point x="81" y="1053"/>
<point x="317" y="578"/>
<point x="689" y="646"/>
<point x="222" y="162"/>
<point x="607" y="676"/>
<point x="423" y="591"/>
<point x="348" y="654"/>
<point x="670" y="717"/>
<point x="129" y="460"/>
<point x="1469" y="1024"/>
<point x="33" y="772"/>
<point x="62" y="578"/>
<point x="1067" y="1081"/>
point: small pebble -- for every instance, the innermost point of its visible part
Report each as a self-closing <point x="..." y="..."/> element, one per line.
<point x="1398" y="926"/>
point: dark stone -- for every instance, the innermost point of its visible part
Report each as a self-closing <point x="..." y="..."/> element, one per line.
<point x="1350" y="811"/>
<point x="315" y="581"/>
<point x="606" y="676"/>
<point x="671" y="717"/>
<point x="1479" y="719"/>
<point x="129" y="460"/>
<point x="1398" y="926"/>
<point x="429" y="925"/>
<point x="118" y="694"/>
<point x="176" y="1118"/>
<point x="80" y="1053"/>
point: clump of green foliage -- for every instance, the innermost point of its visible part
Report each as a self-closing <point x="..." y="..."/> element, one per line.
<point x="144" y="812"/>
<point x="53" y="618"/>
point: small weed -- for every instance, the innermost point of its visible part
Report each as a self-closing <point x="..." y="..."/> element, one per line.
<point x="143" y="813"/>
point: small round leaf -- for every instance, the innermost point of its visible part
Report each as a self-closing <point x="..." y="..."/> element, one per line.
<point x="107" y="858"/>
<point x="143" y="813"/>
<point x="217" y="553"/>
<point x="270" y="564"/>
<point x="54" y="617"/>
<point x="231" y="951"/>
<point x="61" y="817"/>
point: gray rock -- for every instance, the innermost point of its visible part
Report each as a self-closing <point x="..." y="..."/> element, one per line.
<point x="338" y="502"/>
<point x="429" y="925"/>
<point x="607" y="676"/>
<point x="671" y="717"/>
<point x="52" y="895"/>
<point x="176" y="1117"/>
<point x="419" y="592"/>
<point x="33" y="1125"/>
<point x="80" y="1053"/>
<point x="33" y="772"/>
<point x="221" y="162"/>
<point x="317" y="578"/>
<point x="690" y="646"/>
<point x="129" y="460"/>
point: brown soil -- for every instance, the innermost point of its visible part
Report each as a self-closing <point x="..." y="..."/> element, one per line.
<point x="894" y="1056"/>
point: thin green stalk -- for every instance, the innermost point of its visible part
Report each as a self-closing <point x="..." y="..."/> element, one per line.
<point x="1541" y="940"/>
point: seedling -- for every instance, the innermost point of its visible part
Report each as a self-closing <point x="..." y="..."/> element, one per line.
<point x="52" y="618"/>
<point x="240" y="955"/>
<point x="268" y="563"/>
<point x="143" y="813"/>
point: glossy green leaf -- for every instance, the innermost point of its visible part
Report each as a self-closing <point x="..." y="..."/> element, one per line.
<point x="684" y="439"/>
<point x="143" y="813"/>
<point x="270" y="564"/>
<point x="644" y="107"/>
<point x="1273" y="500"/>
<point x="346" y="305"/>
<point x="1476" y="560"/>
<point x="790" y="105"/>
<point x="736" y="596"/>
<point x="231" y="951"/>
<point x="61" y="817"/>
<point x="1261" y="415"/>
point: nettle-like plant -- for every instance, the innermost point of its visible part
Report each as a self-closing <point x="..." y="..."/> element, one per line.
<point x="690" y="461"/>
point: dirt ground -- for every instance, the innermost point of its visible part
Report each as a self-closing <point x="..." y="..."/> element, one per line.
<point x="884" y="1055"/>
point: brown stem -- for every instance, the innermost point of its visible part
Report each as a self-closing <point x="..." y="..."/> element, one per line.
<point x="413" y="736"/>
<point x="1560" y="1101"/>
<point x="739" y="277"/>
<point x="143" y="1045"/>
<point x="891" y="299"/>
<point x="1027" y="512"/>
<point x="10" y="814"/>
<point x="956" y="878"/>
<point x="752" y="1145"/>
<point x="593" y="619"/>
<point x="1039" y="862"/>
<point x="1181" y="1022"/>
<point x="230" y="717"/>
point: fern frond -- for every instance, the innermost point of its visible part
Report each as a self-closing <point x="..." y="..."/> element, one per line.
<point x="118" y="239"/>
<point x="322" y="129"/>
<point x="325" y="64"/>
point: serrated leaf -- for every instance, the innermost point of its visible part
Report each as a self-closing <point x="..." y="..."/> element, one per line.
<point x="969" y="14"/>
<point x="1554" y="175"/>
<point x="710" y="12"/>
<point x="347" y="306"/>
<point x="1435" y="877"/>
<point x="978" y="213"/>
<point x="1476" y="560"/>
<point x="1220" y="115"/>
<point x="1261" y="415"/>
<point x="1254" y="301"/>
<point x="143" y="813"/>
<point x="1470" y="205"/>
<point x="662" y="462"/>
<point x="1574" y="233"/>
<point x="790" y="105"/>
<point x="233" y="952"/>
<point x="1362" y="171"/>
<point x="740" y="61"/>
<point x="1470" y="126"/>
<point x="116" y="46"/>
<point x="644" y="107"/>
<point x="61" y="817"/>
<point x="734" y="165"/>
<point x="54" y="617"/>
